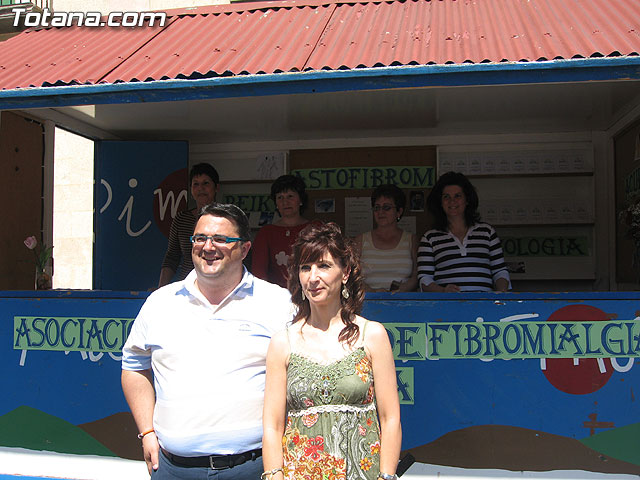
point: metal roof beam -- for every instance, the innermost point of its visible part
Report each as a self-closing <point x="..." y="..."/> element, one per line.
<point x="489" y="74"/>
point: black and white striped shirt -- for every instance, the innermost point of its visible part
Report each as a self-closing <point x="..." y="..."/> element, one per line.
<point x="473" y="265"/>
<point x="178" y="255"/>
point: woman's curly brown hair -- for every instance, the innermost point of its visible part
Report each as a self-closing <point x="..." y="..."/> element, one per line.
<point x="311" y="245"/>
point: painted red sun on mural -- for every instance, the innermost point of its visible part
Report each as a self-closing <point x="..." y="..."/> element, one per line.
<point x="585" y="375"/>
<point x="169" y="198"/>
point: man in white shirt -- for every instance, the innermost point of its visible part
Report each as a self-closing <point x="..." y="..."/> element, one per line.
<point x="202" y="344"/>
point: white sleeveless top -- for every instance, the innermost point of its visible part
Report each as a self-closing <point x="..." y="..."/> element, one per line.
<point x="381" y="267"/>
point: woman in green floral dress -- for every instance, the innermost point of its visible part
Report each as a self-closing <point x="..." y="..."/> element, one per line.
<point x="330" y="375"/>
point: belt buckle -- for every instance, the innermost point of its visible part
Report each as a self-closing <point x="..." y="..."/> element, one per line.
<point x="212" y="463"/>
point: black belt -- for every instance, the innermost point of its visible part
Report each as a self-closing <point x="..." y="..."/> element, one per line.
<point x="217" y="462"/>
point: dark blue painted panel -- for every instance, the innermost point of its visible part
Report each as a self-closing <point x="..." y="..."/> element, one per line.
<point x="449" y="395"/>
<point x="129" y="245"/>
<point x="78" y="387"/>
<point x="454" y="394"/>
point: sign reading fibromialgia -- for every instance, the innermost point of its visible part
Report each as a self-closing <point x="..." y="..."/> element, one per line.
<point x="527" y="339"/>
<point x="410" y="341"/>
<point x="366" y="177"/>
<point x="70" y="334"/>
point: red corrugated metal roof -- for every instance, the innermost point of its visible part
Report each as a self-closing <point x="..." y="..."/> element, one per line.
<point x="289" y="36"/>
<point x="259" y="41"/>
<point x="67" y="55"/>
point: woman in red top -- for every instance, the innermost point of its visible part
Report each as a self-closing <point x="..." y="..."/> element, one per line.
<point x="272" y="245"/>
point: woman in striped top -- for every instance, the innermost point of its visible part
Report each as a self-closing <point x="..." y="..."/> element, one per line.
<point x="460" y="254"/>
<point x="388" y="253"/>
<point x="203" y="182"/>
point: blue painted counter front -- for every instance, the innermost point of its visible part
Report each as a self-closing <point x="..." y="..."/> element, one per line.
<point x="502" y="398"/>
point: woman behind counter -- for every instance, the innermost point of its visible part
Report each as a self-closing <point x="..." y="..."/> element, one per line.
<point x="388" y="253"/>
<point x="331" y="374"/>
<point x="272" y="245"/>
<point x="203" y="182"/>
<point x="460" y="254"/>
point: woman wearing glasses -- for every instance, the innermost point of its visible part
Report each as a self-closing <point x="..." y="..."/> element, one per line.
<point x="388" y="253"/>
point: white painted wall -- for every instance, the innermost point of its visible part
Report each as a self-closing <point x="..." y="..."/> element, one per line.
<point x="72" y="211"/>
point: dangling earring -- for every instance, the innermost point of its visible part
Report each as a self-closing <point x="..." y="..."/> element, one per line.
<point x="303" y="297"/>
<point x="345" y="292"/>
<point x="397" y="219"/>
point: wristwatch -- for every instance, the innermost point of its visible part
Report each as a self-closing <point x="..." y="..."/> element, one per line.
<point x="386" y="476"/>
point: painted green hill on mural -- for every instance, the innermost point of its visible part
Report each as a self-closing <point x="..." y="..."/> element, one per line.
<point x="620" y="443"/>
<point x="27" y="427"/>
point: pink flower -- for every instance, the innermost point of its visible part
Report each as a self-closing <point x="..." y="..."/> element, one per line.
<point x="30" y="242"/>
<point x="42" y="256"/>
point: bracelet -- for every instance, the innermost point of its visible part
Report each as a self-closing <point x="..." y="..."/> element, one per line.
<point x="269" y="473"/>
<point x="386" y="476"/>
<point x="142" y="435"/>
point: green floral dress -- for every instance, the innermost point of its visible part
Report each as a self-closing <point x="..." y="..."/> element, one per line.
<point x="332" y="430"/>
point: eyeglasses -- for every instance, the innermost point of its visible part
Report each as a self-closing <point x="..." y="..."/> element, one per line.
<point x="215" y="239"/>
<point x="385" y="208"/>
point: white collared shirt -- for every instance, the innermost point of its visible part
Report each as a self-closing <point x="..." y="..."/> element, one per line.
<point x="208" y="361"/>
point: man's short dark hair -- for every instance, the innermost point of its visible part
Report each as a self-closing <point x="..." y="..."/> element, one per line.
<point x="232" y="213"/>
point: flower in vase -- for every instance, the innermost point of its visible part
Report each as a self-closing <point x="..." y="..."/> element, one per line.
<point x="42" y="256"/>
